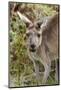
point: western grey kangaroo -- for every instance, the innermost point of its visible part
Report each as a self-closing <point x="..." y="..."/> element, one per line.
<point x="42" y="42"/>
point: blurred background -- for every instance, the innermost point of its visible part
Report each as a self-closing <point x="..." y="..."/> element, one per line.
<point x="21" y="70"/>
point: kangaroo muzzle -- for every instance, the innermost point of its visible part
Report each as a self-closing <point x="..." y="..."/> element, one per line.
<point x="32" y="48"/>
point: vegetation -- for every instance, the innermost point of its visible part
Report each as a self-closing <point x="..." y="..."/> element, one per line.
<point x="21" y="70"/>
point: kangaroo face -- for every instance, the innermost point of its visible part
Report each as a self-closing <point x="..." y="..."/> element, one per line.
<point x="33" y="34"/>
<point x="33" y="37"/>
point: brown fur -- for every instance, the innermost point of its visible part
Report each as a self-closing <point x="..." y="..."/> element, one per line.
<point x="48" y="50"/>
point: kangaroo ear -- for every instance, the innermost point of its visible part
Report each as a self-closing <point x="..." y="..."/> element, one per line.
<point x="24" y="19"/>
<point x="44" y="25"/>
<point x="50" y="22"/>
<point x="39" y="23"/>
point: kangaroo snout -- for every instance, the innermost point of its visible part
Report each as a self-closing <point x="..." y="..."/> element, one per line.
<point x="32" y="48"/>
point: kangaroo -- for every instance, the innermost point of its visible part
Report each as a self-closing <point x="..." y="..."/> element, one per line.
<point x="42" y="43"/>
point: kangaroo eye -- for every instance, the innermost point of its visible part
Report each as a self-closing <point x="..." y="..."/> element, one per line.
<point x="38" y="35"/>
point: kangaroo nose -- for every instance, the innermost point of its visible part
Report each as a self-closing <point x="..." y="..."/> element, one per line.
<point x="32" y="46"/>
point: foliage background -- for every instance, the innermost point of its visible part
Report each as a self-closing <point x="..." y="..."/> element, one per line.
<point x="21" y="70"/>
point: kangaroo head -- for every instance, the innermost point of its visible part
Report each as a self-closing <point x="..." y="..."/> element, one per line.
<point x="33" y="33"/>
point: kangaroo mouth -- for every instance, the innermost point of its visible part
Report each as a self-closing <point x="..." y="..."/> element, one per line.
<point x="32" y="50"/>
